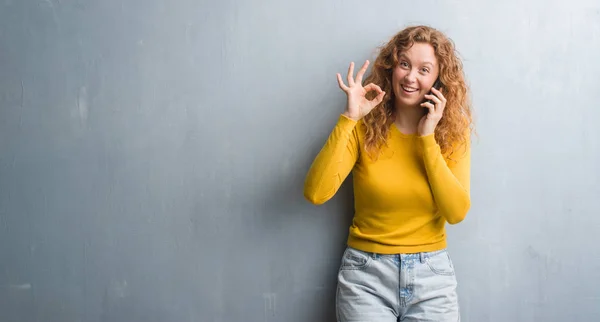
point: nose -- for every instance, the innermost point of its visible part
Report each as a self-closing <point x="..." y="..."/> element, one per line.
<point x="411" y="76"/>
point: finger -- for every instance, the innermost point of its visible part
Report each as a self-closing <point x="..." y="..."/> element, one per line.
<point x="438" y="93"/>
<point x="441" y="106"/>
<point x="351" y="74"/>
<point x="361" y="72"/>
<point x="379" y="98"/>
<point x="434" y="98"/>
<point x="373" y="87"/>
<point x="341" y="83"/>
<point x="429" y="106"/>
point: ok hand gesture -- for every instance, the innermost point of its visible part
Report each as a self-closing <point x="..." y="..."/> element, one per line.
<point x="358" y="105"/>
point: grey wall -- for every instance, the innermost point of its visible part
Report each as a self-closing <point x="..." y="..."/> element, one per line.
<point x="152" y="156"/>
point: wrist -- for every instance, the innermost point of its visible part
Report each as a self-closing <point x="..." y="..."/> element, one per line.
<point x="348" y="115"/>
<point x="422" y="134"/>
<point x="428" y="140"/>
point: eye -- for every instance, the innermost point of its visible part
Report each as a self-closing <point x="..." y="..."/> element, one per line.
<point x="404" y="64"/>
<point x="425" y="70"/>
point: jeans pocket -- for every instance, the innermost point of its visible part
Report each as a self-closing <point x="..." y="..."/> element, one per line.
<point x="440" y="264"/>
<point x="354" y="259"/>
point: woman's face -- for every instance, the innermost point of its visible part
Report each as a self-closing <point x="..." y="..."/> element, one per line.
<point x="415" y="74"/>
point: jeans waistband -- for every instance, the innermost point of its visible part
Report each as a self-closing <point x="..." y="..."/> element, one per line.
<point x="421" y="256"/>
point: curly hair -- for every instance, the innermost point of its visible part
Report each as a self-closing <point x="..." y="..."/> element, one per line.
<point x="457" y="119"/>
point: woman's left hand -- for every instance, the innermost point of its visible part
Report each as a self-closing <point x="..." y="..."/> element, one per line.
<point x="436" y="110"/>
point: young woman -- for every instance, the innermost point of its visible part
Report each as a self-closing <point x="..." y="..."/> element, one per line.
<point x="408" y="147"/>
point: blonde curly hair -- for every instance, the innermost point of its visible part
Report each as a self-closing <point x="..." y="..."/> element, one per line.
<point x="455" y="125"/>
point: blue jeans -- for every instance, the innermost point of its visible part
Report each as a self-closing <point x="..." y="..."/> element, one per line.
<point x="400" y="287"/>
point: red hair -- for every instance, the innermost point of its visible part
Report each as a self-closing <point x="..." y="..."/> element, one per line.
<point x="455" y="125"/>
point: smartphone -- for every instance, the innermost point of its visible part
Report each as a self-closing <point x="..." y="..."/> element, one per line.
<point x="437" y="85"/>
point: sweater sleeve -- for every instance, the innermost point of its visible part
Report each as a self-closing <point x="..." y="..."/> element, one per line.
<point x="333" y="163"/>
<point x="449" y="180"/>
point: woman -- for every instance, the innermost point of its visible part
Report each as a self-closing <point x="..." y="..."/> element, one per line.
<point x="408" y="147"/>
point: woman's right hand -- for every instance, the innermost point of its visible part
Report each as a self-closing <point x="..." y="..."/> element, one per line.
<point x="358" y="104"/>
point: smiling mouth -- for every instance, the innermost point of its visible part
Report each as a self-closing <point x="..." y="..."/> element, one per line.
<point x="409" y="89"/>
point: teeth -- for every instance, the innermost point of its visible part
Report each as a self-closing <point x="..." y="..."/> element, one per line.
<point x="409" y="89"/>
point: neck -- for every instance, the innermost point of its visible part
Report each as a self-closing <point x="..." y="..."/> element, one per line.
<point x="407" y="117"/>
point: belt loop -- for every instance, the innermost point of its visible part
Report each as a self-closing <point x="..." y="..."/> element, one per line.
<point x="422" y="257"/>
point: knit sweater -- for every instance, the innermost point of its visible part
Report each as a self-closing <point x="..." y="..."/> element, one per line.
<point x="402" y="199"/>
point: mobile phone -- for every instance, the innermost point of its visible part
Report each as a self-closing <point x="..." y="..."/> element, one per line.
<point x="437" y="85"/>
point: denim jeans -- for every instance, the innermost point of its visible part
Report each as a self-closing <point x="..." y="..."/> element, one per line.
<point x="400" y="287"/>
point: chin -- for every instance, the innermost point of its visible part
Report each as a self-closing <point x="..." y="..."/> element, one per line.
<point x="414" y="102"/>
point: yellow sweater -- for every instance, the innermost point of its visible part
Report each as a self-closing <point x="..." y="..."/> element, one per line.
<point x="404" y="198"/>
